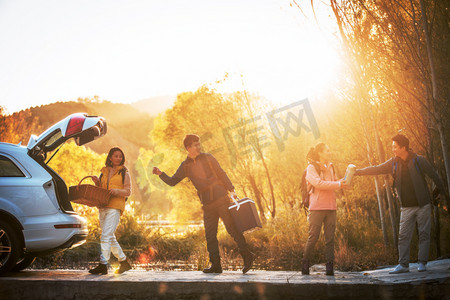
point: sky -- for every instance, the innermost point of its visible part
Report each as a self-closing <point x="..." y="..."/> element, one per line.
<point x="125" y="51"/>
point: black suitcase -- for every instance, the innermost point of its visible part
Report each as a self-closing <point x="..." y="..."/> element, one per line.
<point x="245" y="215"/>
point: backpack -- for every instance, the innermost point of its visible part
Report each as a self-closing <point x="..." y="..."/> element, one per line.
<point x="305" y="191"/>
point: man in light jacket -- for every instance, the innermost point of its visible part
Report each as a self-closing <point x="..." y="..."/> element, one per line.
<point x="409" y="170"/>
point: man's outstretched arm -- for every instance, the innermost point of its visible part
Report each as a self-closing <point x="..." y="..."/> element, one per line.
<point x="175" y="179"/>
<point x="384" y="168"/>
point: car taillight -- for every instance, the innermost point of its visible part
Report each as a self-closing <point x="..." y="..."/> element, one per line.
<point x="75" y="125"/>
<point x="60" y="226"/>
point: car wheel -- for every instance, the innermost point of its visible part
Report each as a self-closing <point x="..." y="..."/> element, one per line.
<point x="9" y="247"/>
<point x="23" y="263"/>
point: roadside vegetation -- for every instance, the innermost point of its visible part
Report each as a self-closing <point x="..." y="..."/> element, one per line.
<point x="395" y="80"/>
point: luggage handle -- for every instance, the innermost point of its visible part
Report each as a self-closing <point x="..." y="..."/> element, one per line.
<point x="235" y="200"/>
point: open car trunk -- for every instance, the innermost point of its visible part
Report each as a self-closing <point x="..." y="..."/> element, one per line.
<point x="80" y="127"/>
<point x="61" y="190"/>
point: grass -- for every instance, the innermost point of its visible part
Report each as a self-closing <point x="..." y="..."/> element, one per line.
<point x="278" y="245"/>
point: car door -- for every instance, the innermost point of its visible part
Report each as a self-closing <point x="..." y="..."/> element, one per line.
<point x="21" y="188"/>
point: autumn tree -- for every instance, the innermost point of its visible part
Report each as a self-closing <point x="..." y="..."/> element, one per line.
<point x="18" y="127"/>
<point x="235" y="129"/>
<point x="391" y="48"/>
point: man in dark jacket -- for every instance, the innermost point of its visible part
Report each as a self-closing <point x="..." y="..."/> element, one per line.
<point x="409" y="170"/>
<point x="213" y="187"/>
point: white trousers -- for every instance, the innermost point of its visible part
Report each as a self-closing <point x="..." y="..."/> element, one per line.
<point x="109" y="220"/>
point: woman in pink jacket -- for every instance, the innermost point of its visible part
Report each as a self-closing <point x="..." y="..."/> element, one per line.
<point x="322" y="180"/>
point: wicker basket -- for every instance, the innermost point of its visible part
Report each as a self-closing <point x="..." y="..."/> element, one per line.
<point x="89" y="195"/>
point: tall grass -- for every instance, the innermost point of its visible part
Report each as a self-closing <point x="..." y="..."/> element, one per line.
<point x="278" y="245"/>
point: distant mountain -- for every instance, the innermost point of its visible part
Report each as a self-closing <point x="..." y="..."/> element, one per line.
<point x="155" y="105"/>
<point x="129" y="127"/>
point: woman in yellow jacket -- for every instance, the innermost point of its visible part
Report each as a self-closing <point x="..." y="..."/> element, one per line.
<point x="114" y="177"/>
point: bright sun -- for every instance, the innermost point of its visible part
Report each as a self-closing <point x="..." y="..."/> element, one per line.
<point x="306" y="67"/>
<point x="157" y="48"/>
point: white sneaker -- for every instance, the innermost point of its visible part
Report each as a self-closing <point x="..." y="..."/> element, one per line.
<point x="399" y="269"/>
<point x="422" y="267"/>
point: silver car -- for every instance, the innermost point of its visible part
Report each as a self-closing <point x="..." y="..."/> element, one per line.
<point x="36" y="217"/>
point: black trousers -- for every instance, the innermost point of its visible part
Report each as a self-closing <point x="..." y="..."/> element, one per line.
<point x="211" y="214"/>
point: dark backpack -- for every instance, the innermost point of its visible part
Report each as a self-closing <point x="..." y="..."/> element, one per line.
<point x="306" y="192"/>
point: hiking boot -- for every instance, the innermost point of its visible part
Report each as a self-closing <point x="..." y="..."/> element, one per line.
<point x="101" y="269"/>
<point x="305" y="267"/>
<point x="123" y="267"/>
<point x="215" y="268"/>
<point x="330" y="270"/>
<point x="248" y="260"/>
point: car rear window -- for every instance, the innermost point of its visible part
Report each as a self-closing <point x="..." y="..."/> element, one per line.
<point x="8" y="168"/>
<point x="54" y="138"/>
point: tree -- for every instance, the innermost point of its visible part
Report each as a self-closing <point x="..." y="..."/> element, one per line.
<point x="18" y="127"/>
<point x="229" y="128"/>
<point x="391" y="47"/>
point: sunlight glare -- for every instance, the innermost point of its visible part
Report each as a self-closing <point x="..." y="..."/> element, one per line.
<point x="310" y="68"/>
